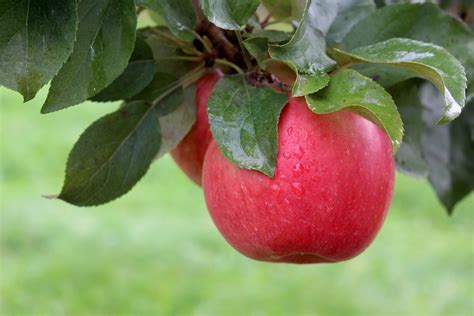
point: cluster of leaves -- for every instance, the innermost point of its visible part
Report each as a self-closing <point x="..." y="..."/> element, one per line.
<point x="410" y="63"/>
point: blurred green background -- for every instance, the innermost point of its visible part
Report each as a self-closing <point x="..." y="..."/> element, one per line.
<point x="156" y="251"/>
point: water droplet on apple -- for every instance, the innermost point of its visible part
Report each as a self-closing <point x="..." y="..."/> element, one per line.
<point x="299" y="152"/>
<point x="275" y="187"/>
<point x="305" y="136"/>
<point x="297" y="189"/>
<point x="298" y="169"/>
<point x="324" y="196"/>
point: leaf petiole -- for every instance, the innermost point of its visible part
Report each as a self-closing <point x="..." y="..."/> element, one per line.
<point x="188" y="58"/>
<point x="185" y="46"/>
<point x="185" y="81"/>
<point x="229" y="64"/>
<point x="243" y="49"/>
<point x="341" y="68"/>
<point x="204" y="43"/>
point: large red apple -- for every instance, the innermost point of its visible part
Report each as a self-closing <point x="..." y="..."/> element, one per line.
<point x="189" y="154"/>
<point x="327" y="201"/>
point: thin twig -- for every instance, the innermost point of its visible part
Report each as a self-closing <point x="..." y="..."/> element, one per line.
<point x="205" y="44"/>
<point x="229" y="64"/>
<point x="243" y="49"/>
<point x="343" y="67"/>
<point x="185" y="46"/>
<point x="188" y="58"/>
<point x="187" y="79"/>
<point x="266" y="21"/>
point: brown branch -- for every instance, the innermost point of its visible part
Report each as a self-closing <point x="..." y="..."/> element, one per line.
<point x="199" y="15"/>
<point x="224" y="47"/>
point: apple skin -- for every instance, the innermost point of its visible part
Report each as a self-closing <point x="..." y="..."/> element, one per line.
<point x="190" y="152"/>
<point x="327" y="201"/>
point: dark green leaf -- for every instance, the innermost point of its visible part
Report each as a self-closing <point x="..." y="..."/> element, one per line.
<point x="36" y="38"/>
<point x="257" y="43"/>
<point x="306" y="54"/>
<point x="177" y="111"/>
<point x="178" y="14"/>
<point x="166" y="52"/>
<point x="138" y="74"/>
<point x="176" y="124"/>
<point x="258" y="48"/>
<point x="425" y="60"/>
<point x="349" y="13"/>
<point x="349" y="89"/>
<point x="115" y="152"/>
<point x="423" y="22"/>
<point x="335" y="18"/>
<point x="104" y="43"/>
<point x="112" y="155"/>
<point x="448" y="150"/>
<point x="244" y="123"/>
<point x="159" y="85"/>
<point x="409" y="157"/>
<point x="229" y="14"/>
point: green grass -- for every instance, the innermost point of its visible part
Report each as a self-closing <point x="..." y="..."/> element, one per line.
<point x="156" y="251"/>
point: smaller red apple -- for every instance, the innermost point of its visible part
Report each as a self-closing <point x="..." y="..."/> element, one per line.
<point x="190" y="152"/>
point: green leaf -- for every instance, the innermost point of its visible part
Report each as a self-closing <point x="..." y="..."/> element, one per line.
<point x="349" y="89"/>
<point x="176" y="124"/>
<point x="409" y="158"/>
<point x="165" y="52"/>
<point x="321" y="13"/>
<point x="177" y="111"/>
<point x="306" y="54"/>
<point x="423" y="22"/>
<point x="257" y="43"/>
<point x="448" y="150"/>
<point x="104" y="43"/>
<point x="244" y="123"/>
<point x="335" y="18"/>
<point x="178" y="14"/>
<point x="428" y="61"/>
<point x="136" y="77"/>
<point x="349" y="13"/>
<point x="278" y="8"/>
<point x="385" y="75"/>
<point x="273" y="36"/>
<point x="159" y="85"/>
<point x="36" y="38"/>
<point x="229" y="14"/>
<point x="112" y="155"/>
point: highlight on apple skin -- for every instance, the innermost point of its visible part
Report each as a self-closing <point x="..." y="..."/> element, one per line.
<point x="327" y="201"/>
<point x="190" y="152"/>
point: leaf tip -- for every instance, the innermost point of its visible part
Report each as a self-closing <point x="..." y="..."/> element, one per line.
<point x="50" y="196"/>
